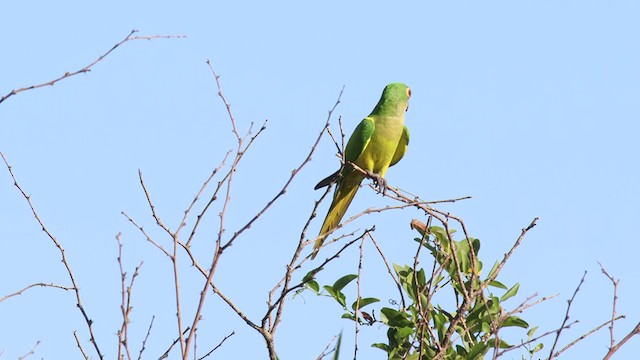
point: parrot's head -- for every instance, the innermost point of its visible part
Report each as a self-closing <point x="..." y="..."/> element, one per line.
<point x="397" y="95"/>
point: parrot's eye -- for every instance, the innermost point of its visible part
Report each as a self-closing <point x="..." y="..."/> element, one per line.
<point x="408" y="92"/>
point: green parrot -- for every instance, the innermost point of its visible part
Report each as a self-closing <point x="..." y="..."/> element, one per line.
<point x="379" y="141"/>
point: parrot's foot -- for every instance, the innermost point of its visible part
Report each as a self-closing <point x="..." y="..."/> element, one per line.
<point x="379" y="182"/>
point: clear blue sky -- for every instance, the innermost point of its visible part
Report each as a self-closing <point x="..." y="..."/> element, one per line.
<point x="532" y="108"/>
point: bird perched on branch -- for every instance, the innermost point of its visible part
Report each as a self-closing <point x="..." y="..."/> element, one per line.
<point x="378" y="142"/>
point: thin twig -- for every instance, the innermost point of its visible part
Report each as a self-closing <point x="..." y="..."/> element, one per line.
<point x="197" y="197"/>
<point x="149" y="239"/>
<point x="356" y="316"/>
<point x="87" y="68"/>
<point x="19" y="292"/>
<point x="386" y="263"/>
<point x="63" y="257"/>
<point x="566" y="317"/>
<point x="582" y="337"/>
<point x="31" y="352"/>
<point x="217" y="346"/>
<point x="326" y="350"/>
<point x="125" y="305"/>
<point x="632" y="333"/>
<point x="267" y="323"/>
<point x="82" y="351"/>
<point x="166" y="353"/>
<point x="615" y="283"/>
<point x="146" y="337"/>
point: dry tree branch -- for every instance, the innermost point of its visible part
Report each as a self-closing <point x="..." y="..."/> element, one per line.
<point x="358" y="296"/>
<point x="151" y="206"/>
<point x="386" y="263"/>
<point x="87" y="68"/>
<point x="635" y="331"/>
<point x="567" y="326"/>
<point x="146" y="337"/>
<point x="288" y="290"/>
<point x="326" y="350"/>
<point x="149" y="239"/>
<point x="125" y="305"/>
<point x="632" y="333"/>
<point x="286" y="279"/>
<point x="173" y="256"/>
<point x="183" y="223"/>
<point x="584" y="336"/>
<point x="615" y="302"/>
<point x="218" y="243"/>
<point x="291" y="267"/>
<point x="217" y="346"/>
<point x="79" y="344"/>
<point x="31" y="352"/>
<point x="566" y="316"/>
<point x="282" y="191"/>
<point x="510" y="252"/>
<point x="63" y="257"/>
<point x="166" y="353"/>
<point x="19" y="292"/>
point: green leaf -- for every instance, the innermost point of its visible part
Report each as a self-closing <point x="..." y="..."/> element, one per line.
<point x="531" y="332"/>
<point x="478" y="350"/>
<point x="313" y="285"/>
<point x="421" y="278"/>
<point x="511" y="292"/>
<point x="381" y="346"/>
<point x="364" y="302"/>
<point x="537" y="348"/>
<point x="493" y="269"/>
<point x="329" y="289"/>
<point x="502" y="345"/>
<point x="343" y="281"/>
<point x="309" y="276"/>
<point x="398" y="268"/>
<point x="515" y="321"/>
<point x="340" y="297"/>
<point x="336" y="354"/>
<point x="348" y="316"/>
<point x="486" y="328"/>
<point x="395" y="318"/>
<point x="498" y="284"/>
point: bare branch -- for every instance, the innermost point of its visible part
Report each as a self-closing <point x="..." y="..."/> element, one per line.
<point x="566" y="317"/>
<point x="166" y="353"/>
<point x="19" y="292"/>
<point x="632" y="333"/>
<point x="386" y="263"/>
<point x="146" y="337"/>
<point x="87" y="68"/>
<point x="84" y="353"/>
<point x="615" y="301"/>
<point x="584" y="336"/>
<point x="125" y="305"/>
<point x="217" y="346"/>
<point x="149" y="239"/>
<point x="63" y="257"/>
<point x="151" y="206"/>
<point x="197" y="197"/>
<point x="31" y="352"/>
<point x="356" y="316"/>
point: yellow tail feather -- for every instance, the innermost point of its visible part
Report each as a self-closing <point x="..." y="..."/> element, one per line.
<point x="342" y="198"/>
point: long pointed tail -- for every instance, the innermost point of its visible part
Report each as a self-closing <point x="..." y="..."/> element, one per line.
<point x="343" y="196"/>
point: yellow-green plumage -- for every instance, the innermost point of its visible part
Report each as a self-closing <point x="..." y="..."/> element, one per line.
<point x="378" y="142"/>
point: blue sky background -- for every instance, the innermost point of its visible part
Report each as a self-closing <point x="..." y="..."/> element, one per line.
<point x="530" y="107"/>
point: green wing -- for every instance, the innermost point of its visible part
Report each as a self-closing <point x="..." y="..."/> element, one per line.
<point x="402" y="147"/>
<point x="355" y="146"/>
<point x="360" y="138"/>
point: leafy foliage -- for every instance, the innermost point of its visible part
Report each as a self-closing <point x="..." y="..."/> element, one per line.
<point x="451" y="313"/>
